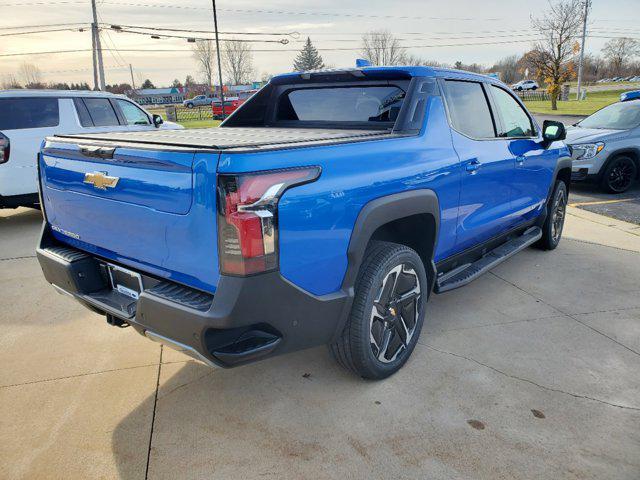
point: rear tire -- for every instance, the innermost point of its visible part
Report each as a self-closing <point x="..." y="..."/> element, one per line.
<point x="554" y="223"/>
<point x="387" y="313"/>
<point x="619" y="174"/>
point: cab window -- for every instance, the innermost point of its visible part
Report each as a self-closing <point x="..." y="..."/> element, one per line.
<point x="515" y="121"/>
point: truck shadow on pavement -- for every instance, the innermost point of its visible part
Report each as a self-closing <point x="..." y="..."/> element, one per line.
<point x="531" y="371"/>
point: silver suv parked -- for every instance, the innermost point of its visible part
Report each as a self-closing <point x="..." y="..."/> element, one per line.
<point x="606" y="145"/>
<point x="199" y="101"/>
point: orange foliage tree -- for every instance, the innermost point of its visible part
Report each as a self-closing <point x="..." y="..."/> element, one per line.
<point x="552" y="57"/>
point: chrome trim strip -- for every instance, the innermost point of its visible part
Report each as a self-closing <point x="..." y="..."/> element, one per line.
<point x="62" y="291"/>
<point x="192" y="352"/>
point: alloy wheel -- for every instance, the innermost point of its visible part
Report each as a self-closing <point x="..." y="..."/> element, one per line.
<point x="621" y="175"/>
<point x="557" y="219"/>
<point x="394" y="313"/>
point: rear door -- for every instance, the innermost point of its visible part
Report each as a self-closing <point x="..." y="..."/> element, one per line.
<point x="487" y="164"/>
<point x="534" y="164"/>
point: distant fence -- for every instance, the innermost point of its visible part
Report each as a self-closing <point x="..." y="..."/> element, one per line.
<point x="532" y="95"/>
<point x="185" y="114"/>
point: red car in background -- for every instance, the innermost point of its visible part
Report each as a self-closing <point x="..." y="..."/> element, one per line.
<point x="230" y="106"/>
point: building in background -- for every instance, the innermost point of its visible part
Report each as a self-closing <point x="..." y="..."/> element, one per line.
<point x="158" y="96"/>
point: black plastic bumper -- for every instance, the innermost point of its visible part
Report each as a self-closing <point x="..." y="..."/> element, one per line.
<point x="15" y="201"/>
<point x="248" y="318"/>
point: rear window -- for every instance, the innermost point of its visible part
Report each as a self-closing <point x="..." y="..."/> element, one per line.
<point x="22" y="112"/>
<point x="353" y="104"/>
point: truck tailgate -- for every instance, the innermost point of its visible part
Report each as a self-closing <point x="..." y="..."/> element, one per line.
<point x="135" y="206"/>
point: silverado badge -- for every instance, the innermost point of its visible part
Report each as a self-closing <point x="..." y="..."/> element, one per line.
<point x="101" y="180"/>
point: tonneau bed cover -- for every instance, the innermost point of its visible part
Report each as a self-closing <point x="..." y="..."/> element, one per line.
<point x="236" y="138"/>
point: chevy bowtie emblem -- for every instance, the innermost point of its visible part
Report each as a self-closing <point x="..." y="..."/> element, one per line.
<point x="101" y="180"/>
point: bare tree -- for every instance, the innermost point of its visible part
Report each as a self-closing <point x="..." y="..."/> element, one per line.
<point x="508" y="67"/>
<point x="410" y="59"/>
<point x="204" y="53"/>
<point x="237" y="61"/>
<point x="552" y="57"/>
<point x="30" y="74"/>
<point x="10" y="81"/>
<point x="619" y="51"/>
<point x="381" y="47"/>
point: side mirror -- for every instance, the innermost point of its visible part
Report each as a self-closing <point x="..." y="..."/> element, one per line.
<point x="157" y="120"/>
<point x="553" y="131"/>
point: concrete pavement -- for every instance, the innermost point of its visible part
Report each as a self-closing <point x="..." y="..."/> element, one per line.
<point x="532" y="371"/>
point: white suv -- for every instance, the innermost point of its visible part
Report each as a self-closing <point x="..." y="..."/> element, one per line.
<point x="525" y="85"/>
<point x="28" y="116"/>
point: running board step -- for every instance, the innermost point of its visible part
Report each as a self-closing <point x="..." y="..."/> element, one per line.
<point x="465" y="274"/>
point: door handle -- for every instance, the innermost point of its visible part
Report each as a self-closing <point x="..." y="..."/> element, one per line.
<point x="473" y="166"/>
<point x="519" y="160"/>
<point x="97" y="152"/>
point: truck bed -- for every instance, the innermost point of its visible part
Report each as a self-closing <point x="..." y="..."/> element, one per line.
<point x="235" y="138"/>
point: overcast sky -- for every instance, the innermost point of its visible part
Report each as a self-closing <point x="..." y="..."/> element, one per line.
<point x="424" y="26"/>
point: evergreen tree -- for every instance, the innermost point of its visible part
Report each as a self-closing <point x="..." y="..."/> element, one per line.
<point x="308" y="58"/>
<point x="148" y="84"/>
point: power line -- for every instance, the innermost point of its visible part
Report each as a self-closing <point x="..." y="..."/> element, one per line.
<point x="112" y="43"/>
<point x="261" y="11"/>
<point x="162" y="29"/>
<point x="45" y="25"/>
<point x="337" y="49"/>
<point x="159" y="35"/>
<point x="32" y="32"/>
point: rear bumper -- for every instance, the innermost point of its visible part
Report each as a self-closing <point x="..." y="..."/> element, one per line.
<point x="24" y="200"/>
<point x="248" y="318"/>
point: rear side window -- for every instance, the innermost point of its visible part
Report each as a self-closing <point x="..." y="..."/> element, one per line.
<point x="469" y="109"/>
<point x="360" y="104"/>
<point x="515" y="121"/>
<point x="101" y="112"/>
<point x="23" y="112"/>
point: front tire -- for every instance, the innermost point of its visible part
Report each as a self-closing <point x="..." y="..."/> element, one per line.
<point x="189" y="105"/>
<point x="387" y="313"/>
<point x="554" y="223"/>
<point x="619" y="174"/>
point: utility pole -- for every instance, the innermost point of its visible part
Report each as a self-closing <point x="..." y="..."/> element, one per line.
<point x="133" y="82"/>
<point x="587" y="4"/>
<point x="96" y="83"/>
<point x="215" y="26"/>
<point x="98" y="45"/>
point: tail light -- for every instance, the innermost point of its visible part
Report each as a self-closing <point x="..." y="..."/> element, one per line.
<point x="248" y="217"/>
<point x="5" y="148"/>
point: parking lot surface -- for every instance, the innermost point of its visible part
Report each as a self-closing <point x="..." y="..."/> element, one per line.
<point x="532" y="371"/>
<point x="589" y="197"/>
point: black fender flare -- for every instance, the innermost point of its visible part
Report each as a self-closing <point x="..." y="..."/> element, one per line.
<point x="563" y="163"/>
<point x="381" y="211"/>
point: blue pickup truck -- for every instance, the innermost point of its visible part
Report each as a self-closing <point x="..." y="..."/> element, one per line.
<point x="326" y="210"/>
